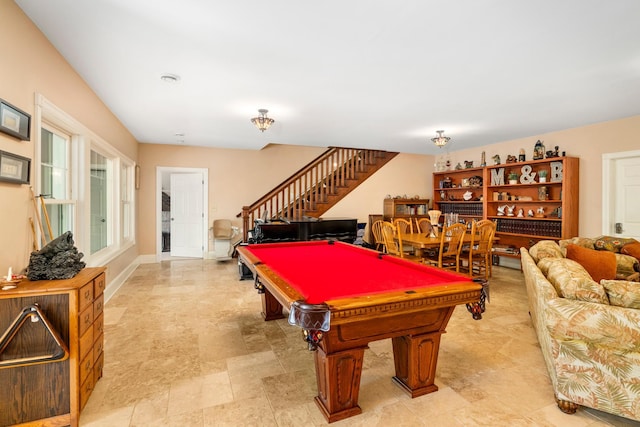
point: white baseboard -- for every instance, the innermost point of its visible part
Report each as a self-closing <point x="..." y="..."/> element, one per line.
<point x="114" y="285"/>
<point x="146" y="259"/>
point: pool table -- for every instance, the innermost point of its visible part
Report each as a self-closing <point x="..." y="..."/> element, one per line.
<point x="345" y="296"/>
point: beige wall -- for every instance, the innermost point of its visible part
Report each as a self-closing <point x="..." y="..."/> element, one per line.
<point x="30" y="64"/>
<point x="588" y="143"/>
<point x="237" y="178"/>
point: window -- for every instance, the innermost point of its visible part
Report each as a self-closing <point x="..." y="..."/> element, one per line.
<point x="55" y="181"/>
<point x="87" y="183"/>
<point x="101" y="219"/>
<point x="126" y="202"/>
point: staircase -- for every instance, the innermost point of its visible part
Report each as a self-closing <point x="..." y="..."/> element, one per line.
<point x="317" y="187"/>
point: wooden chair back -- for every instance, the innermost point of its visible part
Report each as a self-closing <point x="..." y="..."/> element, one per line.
<point x="423" y="225"/>
<point x="482" y="235"/>
<point x="378" y="239"/>
<point x="451" y="245"/>
<point x="403" y="226"/>
<point x="393" y="246"/>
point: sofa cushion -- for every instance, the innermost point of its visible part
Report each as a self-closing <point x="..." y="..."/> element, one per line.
<point x="627" y="265"/>
<point x="599" y="264"/>
<point x="585" y="242"/>
<point x="572" y="281"/>
<point x="545" y="263"/>
<point x="622" y="293"/>
<point x="544" y="249"/>
<point x="610" y="243"/>
<point x="632" y="249"/>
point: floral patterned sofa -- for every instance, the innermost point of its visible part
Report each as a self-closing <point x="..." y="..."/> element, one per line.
<point x="589" y="331"/>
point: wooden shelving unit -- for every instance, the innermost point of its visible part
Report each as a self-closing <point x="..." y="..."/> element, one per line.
<point x="542" y="210"/>
<point x="405" y="208"/>
<point x="548" y="210"/>
<point x="450" y="188"/>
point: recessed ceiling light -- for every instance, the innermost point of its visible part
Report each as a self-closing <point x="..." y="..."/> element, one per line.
<point x="180" y="134"/>
<point x="170" y="78"/>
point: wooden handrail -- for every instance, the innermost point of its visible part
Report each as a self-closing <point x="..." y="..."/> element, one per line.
<point x="302" y="191"/>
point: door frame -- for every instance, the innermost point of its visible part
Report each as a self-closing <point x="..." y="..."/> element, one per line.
<point x="160" y="171"/>
<point x="608" y="186"/>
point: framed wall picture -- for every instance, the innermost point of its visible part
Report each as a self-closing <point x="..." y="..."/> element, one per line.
<point x="14" y="168"/>
<point x="14" y="121"/>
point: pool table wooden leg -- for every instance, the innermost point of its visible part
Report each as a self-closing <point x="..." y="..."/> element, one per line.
<point x="338" y="376"/>
<point x="415" y="359"/>
<point x="271" y="308"/>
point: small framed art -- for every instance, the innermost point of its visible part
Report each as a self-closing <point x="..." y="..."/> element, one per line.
<point x="14" y="168"/>
<point x="14" y="121"/>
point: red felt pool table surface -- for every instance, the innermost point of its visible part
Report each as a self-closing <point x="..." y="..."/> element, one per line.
<point x="342" y="271"/>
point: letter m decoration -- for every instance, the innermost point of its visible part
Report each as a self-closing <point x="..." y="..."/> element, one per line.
<point x="497" y="176"/>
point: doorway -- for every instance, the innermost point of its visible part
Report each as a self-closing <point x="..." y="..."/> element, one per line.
<point x="181" y="212"/>
<point x="620" y="187"/>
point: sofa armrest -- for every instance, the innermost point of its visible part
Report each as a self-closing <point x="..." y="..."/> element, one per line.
<point x="626" y="265"/>
<point x="597" y="324"/>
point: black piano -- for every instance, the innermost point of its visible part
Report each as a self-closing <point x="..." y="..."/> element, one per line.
<point x="342" y="229"/>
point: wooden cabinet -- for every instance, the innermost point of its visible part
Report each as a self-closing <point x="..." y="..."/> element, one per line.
<point x="531" y="210"/>
<point x="405" y="208"/>
<point x="460" y="191"/>
<point x="52" y="392"/>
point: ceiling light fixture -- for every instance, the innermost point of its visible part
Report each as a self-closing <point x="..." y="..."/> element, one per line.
<point x="263" y="122"/>
<point x="440" y="140"/>
<point x="170" y="78"/>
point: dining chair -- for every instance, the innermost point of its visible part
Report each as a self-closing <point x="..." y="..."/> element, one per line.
<point x="404" y="226"/>
<point x="378" y="239"/>
<point x="451" y="239"/>
<point x="393" y="241"/>
<point x="478" y="254"/>
<point x="423" y="225"/>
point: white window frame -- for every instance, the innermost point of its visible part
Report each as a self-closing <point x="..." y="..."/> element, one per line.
<point x="83" y="141"/>
<point x="69" y="200"/>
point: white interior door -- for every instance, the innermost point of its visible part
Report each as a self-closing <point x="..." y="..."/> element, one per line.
<point x="627" y="198"/>
<point x="187" y="215"/>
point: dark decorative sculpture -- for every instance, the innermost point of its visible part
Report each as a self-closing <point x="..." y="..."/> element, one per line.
<point x="57" y="260"/>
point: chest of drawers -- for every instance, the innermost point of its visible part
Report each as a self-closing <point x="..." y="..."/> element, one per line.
<point x="53" y="392"/>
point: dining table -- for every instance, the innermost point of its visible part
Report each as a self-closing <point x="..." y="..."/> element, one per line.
<point x="421" y="241"/>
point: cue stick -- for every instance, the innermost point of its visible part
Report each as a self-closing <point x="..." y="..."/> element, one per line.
<point x="33" y="232"/>
<point x="46" y="216"/>
<point x="35" y="206"/>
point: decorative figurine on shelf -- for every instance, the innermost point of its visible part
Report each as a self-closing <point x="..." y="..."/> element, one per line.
<point x="458" y="166"/>
<point x="540" y="212"/>
<point x="483" y="160"/>
<point x="468" y="164"/>
<point x="538" y="150"/>
<point x="530" y="213"/>
<point x="496" y="159"/>
<point x="501" y="210"/>
<point x="553" y="153"/>
<point x="443" y="195"/>
<point x="510" y="210"/>
<point x="520" y="213"/>
<point x="468" y="195"/>
<point x="511" y="159"/>
<point x="448" y="164"/>
<point x="522" y="157"/>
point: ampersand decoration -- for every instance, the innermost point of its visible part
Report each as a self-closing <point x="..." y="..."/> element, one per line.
<point x="526" y="176"/>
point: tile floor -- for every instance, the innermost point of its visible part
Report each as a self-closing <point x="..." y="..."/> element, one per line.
<point x="185" y="346"/>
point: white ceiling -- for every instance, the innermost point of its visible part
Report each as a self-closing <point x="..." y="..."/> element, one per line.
<point x="352" y="73"/>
